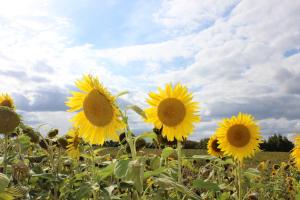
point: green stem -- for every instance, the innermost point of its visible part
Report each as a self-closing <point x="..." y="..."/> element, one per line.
<point x="179" y="148"/>
<point x="239" y="170"/>
<point x="129" y="138"/>
<point x="5" y="153"/>
<point x="131" y="144"/>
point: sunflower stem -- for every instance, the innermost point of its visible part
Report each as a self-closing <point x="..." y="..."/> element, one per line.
<point x="179" y="154"/>
<point x="239" y="171"/>
<point x="5" y="153"/>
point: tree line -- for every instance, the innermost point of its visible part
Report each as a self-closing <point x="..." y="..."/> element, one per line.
<point x="275" y="142"/>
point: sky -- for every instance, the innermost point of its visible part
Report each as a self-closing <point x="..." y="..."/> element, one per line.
<point x="233" y="55"/>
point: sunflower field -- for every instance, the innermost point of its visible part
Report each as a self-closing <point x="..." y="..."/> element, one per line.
<point x="77" y="164"/>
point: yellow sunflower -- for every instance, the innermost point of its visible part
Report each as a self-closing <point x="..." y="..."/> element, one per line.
<point x="73" y="143"/>
<point x="213" y="147"/>
<point x="99" y="117"/>
<point x="296" y="152"/>
<point x="239" y="136"/>
<point x="7" y="101"/>
<point x="174" y="110"/>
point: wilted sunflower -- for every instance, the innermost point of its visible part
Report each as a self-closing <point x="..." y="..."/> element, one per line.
<point x="213" y="147"/>
<point x="7" y="101"/>
<point x="239" y="136"/>
<point x="99" y="117"/>
<point x="296" y="152"/>
<point x="73" y="143"/>
<point x="174" y="110"/>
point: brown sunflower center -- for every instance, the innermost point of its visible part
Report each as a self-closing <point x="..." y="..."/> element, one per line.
<point x="6" y="103"/>
<point x="97" y="108"/>
<point x="215" y="145"/>
<point x="171" y="111"/>
<point x="238" y="135"/>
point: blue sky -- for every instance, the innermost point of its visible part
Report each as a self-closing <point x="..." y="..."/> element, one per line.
<point x="233" y="55"/>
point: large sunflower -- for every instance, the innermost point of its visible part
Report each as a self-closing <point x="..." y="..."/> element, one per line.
<point x="7" y="101"/>
<point x="173" y="110"/>
<point x="239" y="136"/>
<point x="73" y="143"/>
<point x="296" y="152"/>
<point x="213" y="147"/>
<point x="99" y="117"/>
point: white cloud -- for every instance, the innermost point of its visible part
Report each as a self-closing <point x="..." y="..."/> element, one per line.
<point x="235" y="59"/>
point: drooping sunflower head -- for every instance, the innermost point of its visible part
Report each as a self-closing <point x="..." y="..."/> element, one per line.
<point x="9" y="120"/>
<point x="7" y="101"/>
<point x="213" y="147"/>
<point x="73" y="143"/>
<point x="174" y="110"/>
<point x="99" y="118"/>
<point x="239" y="136"/>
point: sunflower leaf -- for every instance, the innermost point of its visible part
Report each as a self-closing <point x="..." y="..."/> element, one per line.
<point x="138" y="110"/>
<point x="166" y="152"/>
<point x="122" y="93"/>
<point x="205" y="185"/>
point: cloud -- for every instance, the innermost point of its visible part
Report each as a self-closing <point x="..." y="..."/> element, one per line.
<point x="42" y="99"/>
<point x="234" y="55"/>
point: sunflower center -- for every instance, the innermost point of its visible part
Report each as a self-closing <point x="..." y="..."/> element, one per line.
<point x="6" y="103"/>
<point x="171" y="111"/>
<point x="97" y="108"/>
<point x="215" y="145"/>
<point x="238" y="135"/>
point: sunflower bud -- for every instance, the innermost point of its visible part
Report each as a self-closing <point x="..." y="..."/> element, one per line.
<point x="122" y="138"/>
<point x="34" y="137"/>
<point x="140" y="143"/>
<point x="9" y="120"/>
<point x="44" y="143"/>
<point x="62" y="142"/>
<point x="52" y="133"/>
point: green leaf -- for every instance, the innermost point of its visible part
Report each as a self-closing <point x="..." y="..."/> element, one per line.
<point x="24" y="142"/>
<point x="84" y="191"/>
<point x="252" y="172"/>
<point x="155" y="163"/>
<point x="106" y="171"/>
<point x="121" y="168"/>
<point x="204" y="157"/>
<point x="224" y="196"/>
<point x="166" y="152"/>
<point x="156" y="172"/>
<point x="4" y="181"/>
<point x="122" y="93"/>
<point x="169" y="184"/>
<point x="149" y="135"/>
<point x="138" y="110"/>
<point x="5" y="196"/>
<point x="135" y="173"/>
<point x="206" y="185"/>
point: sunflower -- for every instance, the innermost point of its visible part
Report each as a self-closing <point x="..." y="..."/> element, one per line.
<point x="262" y="166"/>
<point x="7" y="101"/>
<point x="239" y="136"/>
<point x="173" y="110"/>
<point x="73" y="143"/>
<point x="296" y="152"/>
<point x="99" y="117"/>
<point x="213" y="147"/>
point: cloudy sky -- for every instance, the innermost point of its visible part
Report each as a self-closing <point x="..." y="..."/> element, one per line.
<point x="233" y="55"/>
